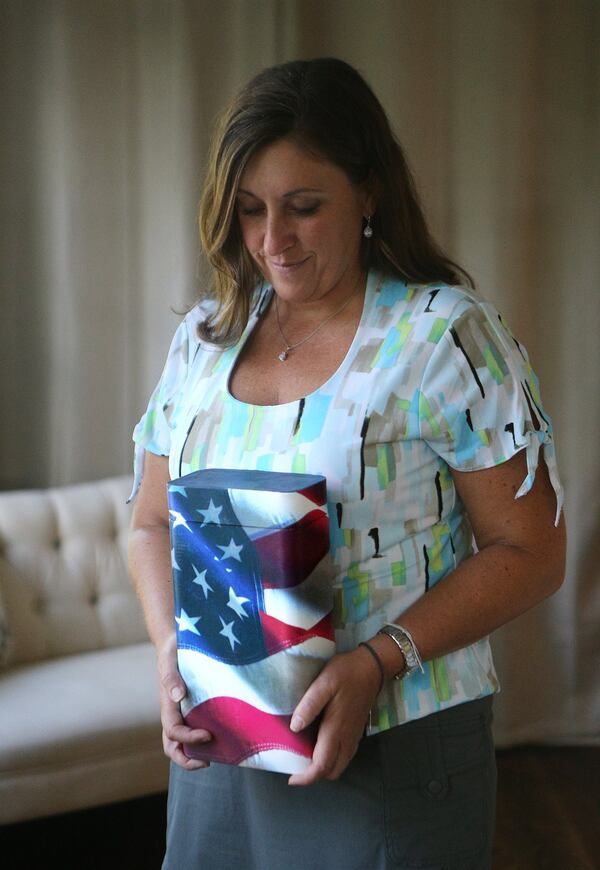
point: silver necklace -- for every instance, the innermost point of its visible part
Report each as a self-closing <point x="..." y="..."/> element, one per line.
<point x="289" y="347"/>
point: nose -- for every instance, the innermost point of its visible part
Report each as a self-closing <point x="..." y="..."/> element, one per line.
<point x="278" y="235"/>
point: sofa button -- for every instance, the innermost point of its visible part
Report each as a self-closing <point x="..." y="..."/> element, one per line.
<point x="434" y="787"/>
<point x="93" y="599"/>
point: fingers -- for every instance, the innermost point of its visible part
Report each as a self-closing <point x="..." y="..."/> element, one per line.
<point x="174" y="751"/>
<point x="327" y="747"/>
<point x="344" y="693"/>
<point x="175" y="731"/>
<point x="312" y="703"/>
<point x="333" y="752"/>
<point x="322" y="766"/>
<point x="170" y="678"/>
<point x="179" y="732"/>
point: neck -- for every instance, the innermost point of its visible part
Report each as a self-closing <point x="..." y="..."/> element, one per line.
<point x="312" y="310"/>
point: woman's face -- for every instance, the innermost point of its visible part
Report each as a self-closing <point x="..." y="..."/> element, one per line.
<point x="301" y="220"/>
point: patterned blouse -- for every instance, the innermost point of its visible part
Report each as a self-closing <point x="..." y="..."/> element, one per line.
<point x="433" y="380"/>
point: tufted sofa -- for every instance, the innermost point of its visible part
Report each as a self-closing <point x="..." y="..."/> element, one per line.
<point x="79" y="722"/>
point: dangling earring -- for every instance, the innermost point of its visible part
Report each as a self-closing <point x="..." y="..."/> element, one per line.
<point x="368" y="230"/>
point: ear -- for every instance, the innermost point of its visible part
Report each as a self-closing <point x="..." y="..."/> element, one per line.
<point x="371" y="195"/>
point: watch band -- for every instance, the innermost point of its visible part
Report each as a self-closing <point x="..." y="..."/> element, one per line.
<point x="407" y="647"/>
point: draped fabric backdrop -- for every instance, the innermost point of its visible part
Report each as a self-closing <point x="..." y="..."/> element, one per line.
<point x="106" y="116"/>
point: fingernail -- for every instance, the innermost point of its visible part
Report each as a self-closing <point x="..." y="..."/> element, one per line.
<point x="297" y="723"/>
<point x="177" y="693"/>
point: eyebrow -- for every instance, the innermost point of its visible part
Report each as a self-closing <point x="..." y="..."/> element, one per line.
<point x="290" y="193"/>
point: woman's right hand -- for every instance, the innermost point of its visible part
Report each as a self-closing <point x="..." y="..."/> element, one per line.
<point x="174" y="731"/>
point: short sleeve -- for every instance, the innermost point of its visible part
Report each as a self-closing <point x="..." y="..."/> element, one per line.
<point x="480" y="401"/>
<point x="153" y="431"/>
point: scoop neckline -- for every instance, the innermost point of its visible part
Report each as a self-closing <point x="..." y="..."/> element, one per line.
<point x="373" y="282"/>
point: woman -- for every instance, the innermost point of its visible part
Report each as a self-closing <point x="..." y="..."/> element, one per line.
<point x="339" y="342"/>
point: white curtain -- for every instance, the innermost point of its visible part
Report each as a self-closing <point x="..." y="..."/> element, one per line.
<point x="107" y="107"/>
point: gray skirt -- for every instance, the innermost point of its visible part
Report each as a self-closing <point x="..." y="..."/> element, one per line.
<point x="421" y="795"/>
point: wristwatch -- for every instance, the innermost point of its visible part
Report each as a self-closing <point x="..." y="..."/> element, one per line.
<point x="404" y="642"/>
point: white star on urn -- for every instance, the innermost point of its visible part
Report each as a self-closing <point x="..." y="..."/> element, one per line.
<point x="187" y="623"/>
<point x="227" y="631"/>
<point x="231" y="551"/>
<point x="211" y="514"/>
<point x="236" y="602"/>
<point x="180" y="489"/>
<point x="201" y="580"/>
<point x="180" y="520"/>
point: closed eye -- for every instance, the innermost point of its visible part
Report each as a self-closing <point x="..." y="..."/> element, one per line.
<point x="301" y="211"/>
<point x="306" y="210"/>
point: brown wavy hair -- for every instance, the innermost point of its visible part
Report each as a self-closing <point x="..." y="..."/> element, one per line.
<point x="326" y="106"/>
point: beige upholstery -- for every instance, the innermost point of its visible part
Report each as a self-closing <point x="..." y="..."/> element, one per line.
<point x="79" y="721"/>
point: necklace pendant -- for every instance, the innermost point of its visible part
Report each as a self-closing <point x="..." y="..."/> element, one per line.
<point x="283" y="355"/>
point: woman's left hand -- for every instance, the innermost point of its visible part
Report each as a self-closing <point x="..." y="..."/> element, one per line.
<point x="344" y="692"/>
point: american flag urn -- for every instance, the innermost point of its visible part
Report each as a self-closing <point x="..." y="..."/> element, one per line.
<point x="253" y="604"/>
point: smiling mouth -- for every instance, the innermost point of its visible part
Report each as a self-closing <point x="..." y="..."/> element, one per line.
<point x="286" y="267"/>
